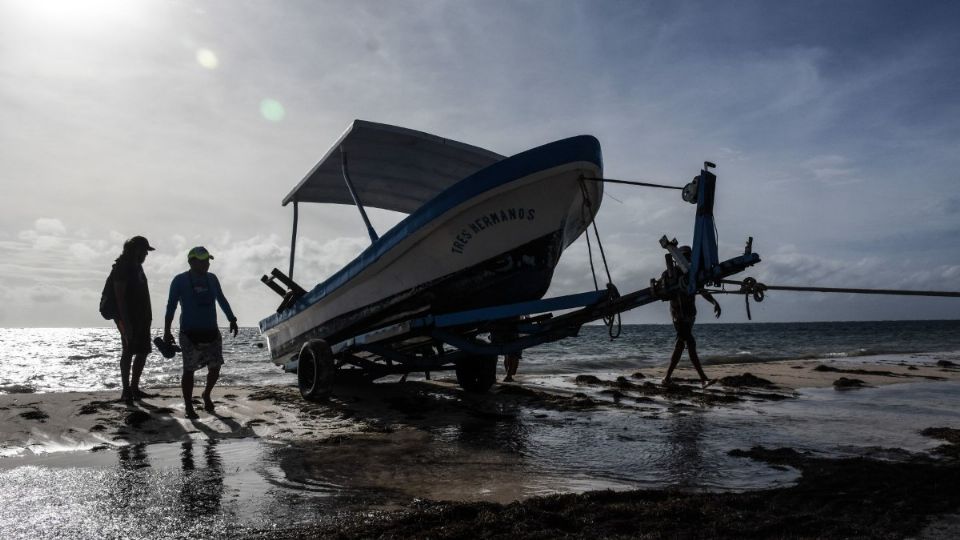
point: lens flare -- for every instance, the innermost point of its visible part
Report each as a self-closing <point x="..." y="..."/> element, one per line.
<point x="207" y="58"/>
<point x="272" y="110"/>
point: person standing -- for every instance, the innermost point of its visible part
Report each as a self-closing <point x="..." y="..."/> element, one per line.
<point x="511" y="360"/>
<point x="683" y="310"/>
<point x="134" y="315"/>
<point x="201" y="344"/>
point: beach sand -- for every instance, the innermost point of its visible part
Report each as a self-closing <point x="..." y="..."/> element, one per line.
<point x="833" y="497"/>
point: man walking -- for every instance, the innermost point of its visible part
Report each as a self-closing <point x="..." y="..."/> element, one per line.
<point x="134" y="314"/>
<point x="201" y="344"/>
<point x="683" y="310"/>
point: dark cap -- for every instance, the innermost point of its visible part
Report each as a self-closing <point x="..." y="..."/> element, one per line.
<point x="137" y="242"/>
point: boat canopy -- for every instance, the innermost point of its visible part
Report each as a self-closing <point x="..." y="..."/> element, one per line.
<point x="390" y="167"/>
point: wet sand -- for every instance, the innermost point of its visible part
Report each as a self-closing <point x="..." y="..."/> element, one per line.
<point x="388" y="423"/>
<point x="834" y="498"/>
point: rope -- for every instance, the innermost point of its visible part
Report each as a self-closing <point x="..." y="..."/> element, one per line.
<point x="603" y="256"/>
<point x="584" y="205"/>
<point x="751" y="287"/>
<point x="610" y="320"/>
<point x="632" y="183"/>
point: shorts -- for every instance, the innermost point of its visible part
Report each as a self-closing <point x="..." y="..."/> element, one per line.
<point x="199" y="352"/>
<point x="684" y="329"/>
<point x="136" y="339"/>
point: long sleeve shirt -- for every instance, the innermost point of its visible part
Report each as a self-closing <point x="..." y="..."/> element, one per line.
<point x="196" y="296"/>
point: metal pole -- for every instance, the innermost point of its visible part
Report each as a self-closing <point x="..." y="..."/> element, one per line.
<point x="356" y="198"/>
<point x="293" y="241"/>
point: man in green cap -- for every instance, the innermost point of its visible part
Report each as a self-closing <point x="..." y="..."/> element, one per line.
<point x="201" y="344"/>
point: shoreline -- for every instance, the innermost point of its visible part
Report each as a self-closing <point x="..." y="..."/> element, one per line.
<point x="38" y="423"/>
<point x="886" y="492"/>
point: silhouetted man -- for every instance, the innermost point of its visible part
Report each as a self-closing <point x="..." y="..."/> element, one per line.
<point x="134" y="314"/>
<point x="201" y="345"/>
<point x="683" y="309"/>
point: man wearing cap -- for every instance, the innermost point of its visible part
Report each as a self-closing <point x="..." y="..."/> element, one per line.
<point x="201" y="344"/>
<point x="134" y="314"/>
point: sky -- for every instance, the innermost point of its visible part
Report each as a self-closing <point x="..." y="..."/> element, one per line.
<point x="835" y="126"/>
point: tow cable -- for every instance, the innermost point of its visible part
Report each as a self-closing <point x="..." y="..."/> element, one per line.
<point x="750" y="287"/>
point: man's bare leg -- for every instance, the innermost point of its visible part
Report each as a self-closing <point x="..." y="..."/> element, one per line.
<point x="186" y="385"/>
<point x="674" y="359"/>
<point x="213" y="373"/>
<point x="139" y="361"/>
<point x="695" y="360"/>
<point x="125" y="360"/>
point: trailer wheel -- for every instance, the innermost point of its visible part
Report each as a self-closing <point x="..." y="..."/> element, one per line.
<point x="477" y="374"/>
<point x="315" y="370"/>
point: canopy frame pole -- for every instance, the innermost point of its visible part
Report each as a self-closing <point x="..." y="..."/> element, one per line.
<point x="293" y="240"/>
<point x="356" y="198"/>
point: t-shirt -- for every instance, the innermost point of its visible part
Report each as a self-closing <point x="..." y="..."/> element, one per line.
<point x="129" y="276"/>
<point x="196" y="296"/>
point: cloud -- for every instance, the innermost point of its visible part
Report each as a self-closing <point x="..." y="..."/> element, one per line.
<point x="832" y="169"/>
<point x="50" y="226"/>
<point x="47" y="294"/>
<point x="834" y="131"/>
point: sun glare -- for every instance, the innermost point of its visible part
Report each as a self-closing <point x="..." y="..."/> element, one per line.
<point x="272" y="110"/>
<point x="90" y="15"/>
<point x="207" y="58"/>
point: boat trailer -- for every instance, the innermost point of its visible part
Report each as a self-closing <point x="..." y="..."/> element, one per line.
<point x="470" y="341"/>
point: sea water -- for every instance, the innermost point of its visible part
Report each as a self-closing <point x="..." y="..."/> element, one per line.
<point x="86" y="359"/>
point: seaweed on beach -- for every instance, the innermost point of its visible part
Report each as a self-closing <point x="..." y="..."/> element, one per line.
<point x="878" y="373"/>
<point x="746" y="380"/>
<point x="277" y="395"/>
<point x="833" y="498"/>
<point x="844" y="383"/>
<point x="681" y="390"/>
<point x="94" y="407"/>
<point x="35" y="414"/>
<point x="950" y="435"/>
<point x="577" y="401"/>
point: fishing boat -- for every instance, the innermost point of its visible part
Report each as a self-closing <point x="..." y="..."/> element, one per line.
<point x="481" y="229"/>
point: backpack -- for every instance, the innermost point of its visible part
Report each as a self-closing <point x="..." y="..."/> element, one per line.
<point x="108" y="300"/>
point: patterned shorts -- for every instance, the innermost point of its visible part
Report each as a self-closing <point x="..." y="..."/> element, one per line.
<point x="198" y="354"/>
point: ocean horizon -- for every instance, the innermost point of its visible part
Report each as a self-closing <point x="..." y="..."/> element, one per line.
<point x="85" y="359"/>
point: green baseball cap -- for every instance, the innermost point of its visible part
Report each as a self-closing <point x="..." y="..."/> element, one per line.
<point x="199" y="253"/>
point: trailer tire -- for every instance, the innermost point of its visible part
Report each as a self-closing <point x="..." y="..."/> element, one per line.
<point x="477" y="374"/>
<point x="315" y="371"/>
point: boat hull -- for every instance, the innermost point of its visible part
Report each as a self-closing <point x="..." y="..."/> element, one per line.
<point x="497" y="246"/>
